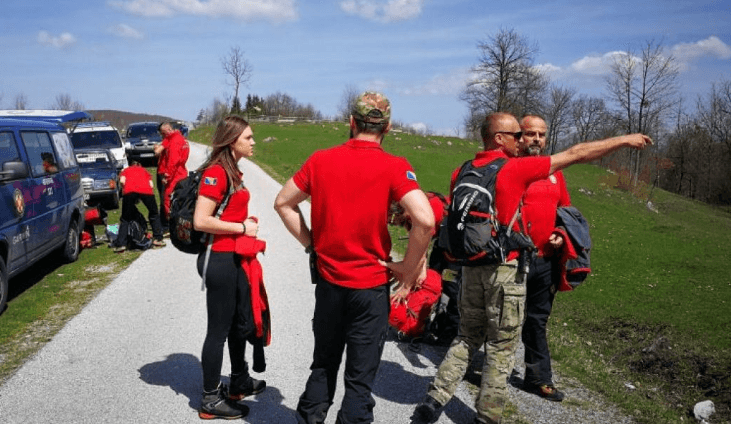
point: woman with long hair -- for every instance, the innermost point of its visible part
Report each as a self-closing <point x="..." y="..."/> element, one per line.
<point x="228" y="295"/>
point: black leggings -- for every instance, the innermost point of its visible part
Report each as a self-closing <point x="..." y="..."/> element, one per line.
<point x="228" y="301"/>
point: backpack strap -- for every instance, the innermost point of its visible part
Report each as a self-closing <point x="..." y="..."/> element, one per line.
<point x="209" y="242"/>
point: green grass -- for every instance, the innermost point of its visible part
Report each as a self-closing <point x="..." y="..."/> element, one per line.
<point x="656" y="308"/>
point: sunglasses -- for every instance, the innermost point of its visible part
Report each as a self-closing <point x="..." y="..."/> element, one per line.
<point x="515" y="135"/>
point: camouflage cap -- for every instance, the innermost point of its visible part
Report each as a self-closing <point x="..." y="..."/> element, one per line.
<point x="372" y="107"/>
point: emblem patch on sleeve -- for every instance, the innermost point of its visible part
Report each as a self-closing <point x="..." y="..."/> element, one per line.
<point x="410" y="175"/>
<point x="210" y="181"/>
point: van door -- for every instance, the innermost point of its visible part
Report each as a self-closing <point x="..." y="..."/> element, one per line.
<point x="14" y="229"/>
<point x="47" y="223"/>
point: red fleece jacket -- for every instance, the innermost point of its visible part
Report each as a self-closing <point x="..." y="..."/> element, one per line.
<point x="248" y="247"/>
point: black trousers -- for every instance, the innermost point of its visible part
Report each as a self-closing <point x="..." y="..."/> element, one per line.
<point x="129" y="206"/>
<point x="354" y="321"/>
<point x="161" y="193"/>
<point x="228" y="302"/>
<point x="539" y="301"/>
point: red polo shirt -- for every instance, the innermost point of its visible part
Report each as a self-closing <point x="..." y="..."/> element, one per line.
<point x="215" y="186"/>
<point x="511" y="183"/>
<point x="541" y="200"/>
<point x="351" y="187"/>
<point x="136" y="180"/>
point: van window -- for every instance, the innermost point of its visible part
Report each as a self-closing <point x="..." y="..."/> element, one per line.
<point x="91" y="139"/>
<point x="8" y="148"/>
<point x="66" y="158"/>
<point x="40" y="153"/>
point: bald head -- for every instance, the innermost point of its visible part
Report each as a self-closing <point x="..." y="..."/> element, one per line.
<point x="534" y="135"/>
<point x="501" y="130"/>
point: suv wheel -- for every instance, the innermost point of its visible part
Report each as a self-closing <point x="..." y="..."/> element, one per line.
<point x="72" y="247"/>
<point x="3" y="286"/>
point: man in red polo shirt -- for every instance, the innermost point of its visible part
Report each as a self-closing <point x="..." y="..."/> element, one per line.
<point x="172" y="154"/>
<point x="136" y="185"/>
<point x="541" y="200"/>
<point x="351" y="187"/>
<point x="493" y="296"/>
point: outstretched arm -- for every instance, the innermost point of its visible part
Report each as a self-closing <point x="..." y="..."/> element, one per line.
<point x="587" y="152"/>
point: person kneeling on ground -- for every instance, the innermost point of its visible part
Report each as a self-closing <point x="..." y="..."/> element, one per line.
<point x="137" y="185"/>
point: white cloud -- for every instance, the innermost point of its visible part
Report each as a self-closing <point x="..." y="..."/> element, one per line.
<point x="61" y="41"/>
<point x="442" y="84"/>
<point x="597" y="65"/>
<point x="390" y="11"/>
<point x="126" y="31"/>
<point x="419" y="127"/>
<point x="548" y="68"/>
<point x="273" y="10"/>
<point x="711" y="46"/>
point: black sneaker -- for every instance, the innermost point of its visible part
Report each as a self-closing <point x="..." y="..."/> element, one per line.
<point x="217" y="405"/>
<point x="242" y="387"/>
<point x="428" y="409"/>
<point x="546" y="391"/>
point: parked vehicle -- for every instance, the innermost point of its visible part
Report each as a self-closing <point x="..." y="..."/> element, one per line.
<point x="99" y="177"/>
<point x="40" y="187"/>
<point x="140" y="141"/>
<point x="182" y="127"/>
<point x="99" y="135"/>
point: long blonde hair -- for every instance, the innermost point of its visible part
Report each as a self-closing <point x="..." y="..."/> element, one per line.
<point x="227" y="132"/>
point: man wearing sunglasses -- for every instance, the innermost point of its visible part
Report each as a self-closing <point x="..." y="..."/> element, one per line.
<point x="492" y="303"/>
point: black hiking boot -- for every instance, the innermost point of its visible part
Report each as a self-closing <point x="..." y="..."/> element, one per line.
<point x="243" y="385"/>
<point x="215" y="404"/>
<point x="428" y="410"/>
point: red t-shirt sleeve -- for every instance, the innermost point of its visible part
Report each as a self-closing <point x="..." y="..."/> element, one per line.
<point x="213" y="183"/>
<point x="404" y="180"/>
<point x="302" y="178"/>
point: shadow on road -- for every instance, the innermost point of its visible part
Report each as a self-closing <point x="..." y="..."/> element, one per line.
<point x="182" y="373"/>
<point x="179" y="371"/>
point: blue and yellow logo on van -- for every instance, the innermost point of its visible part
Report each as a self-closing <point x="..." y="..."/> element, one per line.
<point x="19" y="202"/>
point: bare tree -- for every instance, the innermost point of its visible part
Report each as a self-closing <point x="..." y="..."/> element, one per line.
<point x="21" y="101"/>
<point x="715" y="113"/>
<point x="558" y="115"/>
<point x="587" y="115"/>
<point x="504" y="78"/>
<point x="238" y="68"/>
<point x="644" y="87"/>
<point x="347" y="101"/>
<point x="65" y="102"/>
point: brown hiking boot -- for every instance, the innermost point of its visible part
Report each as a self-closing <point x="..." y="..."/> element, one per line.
<point x="546" y="391"/>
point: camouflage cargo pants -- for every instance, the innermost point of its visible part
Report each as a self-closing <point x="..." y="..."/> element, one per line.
<point x="492" y="309"/>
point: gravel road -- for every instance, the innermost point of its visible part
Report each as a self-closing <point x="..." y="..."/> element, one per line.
<point x="132" y="355"/>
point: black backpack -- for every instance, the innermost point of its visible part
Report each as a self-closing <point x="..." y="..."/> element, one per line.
<point x="182" y="207"/>
<point x="471" y="234"/>
<point x="137" y="232"/>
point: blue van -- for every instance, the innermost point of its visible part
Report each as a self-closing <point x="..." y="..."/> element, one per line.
<point x="40" y="187"/>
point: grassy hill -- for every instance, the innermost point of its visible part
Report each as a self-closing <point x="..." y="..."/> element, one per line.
<point x="655" y="311"/>
<point x="120" y="119"/>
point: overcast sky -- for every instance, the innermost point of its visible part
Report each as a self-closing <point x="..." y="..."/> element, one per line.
<point x="164" y="56"/>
